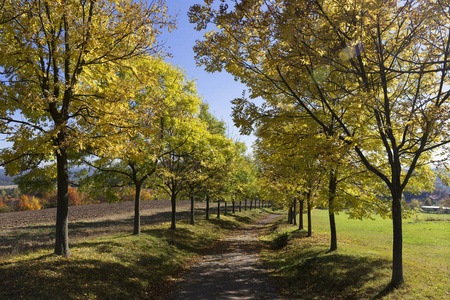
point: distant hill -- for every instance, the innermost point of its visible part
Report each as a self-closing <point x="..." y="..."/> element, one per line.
<point x="9" y="181"/>
<point x="5" y="180"/>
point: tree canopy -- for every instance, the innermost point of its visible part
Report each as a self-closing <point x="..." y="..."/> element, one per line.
<point x="379" y="69"/>
<point x="60" y="68"/>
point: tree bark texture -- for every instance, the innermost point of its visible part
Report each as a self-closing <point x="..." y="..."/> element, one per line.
<point x="173" y="200"/>
<point x="397" y="249"/>
<point x="294" y="216"/>
<point x="137" y="211"/>
<point x="331" y="198"/>
<point x="62" y="210"/>
<point x="218" y="209"/>
<point x="308" y="207"/>
<point x="300" y="215"/>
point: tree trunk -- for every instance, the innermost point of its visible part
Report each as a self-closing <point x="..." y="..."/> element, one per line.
<point x="173" y="200"/>
<point x="300" y="215"/>
<point x="225" y="209"/>
<point x="207" y="207"/>
<point x="308" y="207"/>
<point x="240" y="206"/>
<point x="397" y="249"/>
<point x="62" y="210"/>
<point x="234" y="204"/>
<point x="192" y="210"/>
<point x="290" y="215"/>
<point x="331" y="197"/>
<point x="137" y="210"/>
<point x="251" y="204"/>
<point x="218" y="209"/>
<point x="295" y="212"/>
<point x="245" y="204"/>
<point x="333" y="244"/>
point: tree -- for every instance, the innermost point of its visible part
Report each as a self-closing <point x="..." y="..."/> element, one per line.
<point x="287" y="155"/>
<point x="185" y="139"/>
<point x="379" y="68"/>
<point x="211" y="162"/>
<point x="7" y="14"/>
<point x="162" y="94"/>
<point x="56" y="59"/>
<point x="27" y="203"/>
<point x="243" y="181"/>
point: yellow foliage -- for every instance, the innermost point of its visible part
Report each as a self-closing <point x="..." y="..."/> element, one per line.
<point x="27" y="203"/>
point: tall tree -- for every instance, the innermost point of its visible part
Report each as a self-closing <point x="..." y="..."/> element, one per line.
<point x="56" y="59"/>
<point x="380" y="68"/>
<point x="137" y="150"/>
<point x="186" y="139"/>
<point x="213" y="162"/>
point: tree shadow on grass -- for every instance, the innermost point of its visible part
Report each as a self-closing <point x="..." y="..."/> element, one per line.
<point x="34" y="238"/>
<point x="82" y="279"/>
<point x="319" y="274"/>
<point x="225" y="224"/>
<point x="242" y="219"/>
<point x="140" y="272"/>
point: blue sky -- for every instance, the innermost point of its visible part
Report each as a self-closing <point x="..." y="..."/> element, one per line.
<point x="217" y="89"/>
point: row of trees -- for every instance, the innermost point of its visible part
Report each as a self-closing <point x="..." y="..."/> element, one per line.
<point x="62" y="82"/>
<point x="84" y="83"/>
<point x="359" y="90"/>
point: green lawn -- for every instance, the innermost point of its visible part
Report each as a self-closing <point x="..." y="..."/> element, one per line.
<point x="120" y="266"/>
<point x="361" y="268"/>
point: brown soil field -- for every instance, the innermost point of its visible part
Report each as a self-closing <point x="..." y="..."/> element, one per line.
<point x="31" y="230"/>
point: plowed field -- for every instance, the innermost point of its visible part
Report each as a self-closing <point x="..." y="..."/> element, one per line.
<point x="30" y="230"/>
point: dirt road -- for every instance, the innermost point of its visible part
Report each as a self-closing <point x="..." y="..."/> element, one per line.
<point x="232" y="271"/>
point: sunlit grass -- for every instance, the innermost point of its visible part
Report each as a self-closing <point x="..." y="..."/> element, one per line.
<point x="361" y="268"/>
<point x="120" y="266"/>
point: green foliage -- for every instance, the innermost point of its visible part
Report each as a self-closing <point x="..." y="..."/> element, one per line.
<point x="38" y="180"/>
<point x="214" y="125"/>
<point x="6" y="209"/>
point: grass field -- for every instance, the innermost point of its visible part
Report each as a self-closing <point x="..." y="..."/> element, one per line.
<point x="361" y="268"/>
<point x="120" y="266"/>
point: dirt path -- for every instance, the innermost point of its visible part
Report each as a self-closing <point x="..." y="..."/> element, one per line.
<point x="232" y="271"/>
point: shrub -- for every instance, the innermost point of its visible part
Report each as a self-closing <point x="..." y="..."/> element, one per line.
<point x="6" y="209"/>
<point x="27" y="203"/>
<point x="74" y="198"/>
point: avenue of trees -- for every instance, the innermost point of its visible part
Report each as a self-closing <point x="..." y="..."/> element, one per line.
<point x="361" y="87"/>
<point x="349" y="101"/>
<point x="84" y="85"/>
